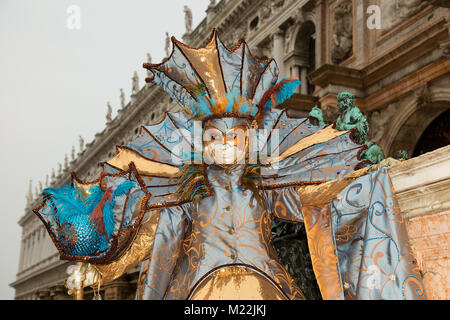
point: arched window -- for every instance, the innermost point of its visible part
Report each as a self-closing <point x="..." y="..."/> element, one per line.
<point x="305" y="55"/>
<point x="435" y="136"/>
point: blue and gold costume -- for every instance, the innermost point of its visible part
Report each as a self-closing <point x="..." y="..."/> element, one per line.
<point x="202" y="230"/>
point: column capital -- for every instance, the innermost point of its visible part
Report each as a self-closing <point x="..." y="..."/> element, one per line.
<point x="319" y="3"/>
<point x="278" y="33"/>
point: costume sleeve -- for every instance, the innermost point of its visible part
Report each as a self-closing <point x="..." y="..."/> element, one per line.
<point x="157" y="246"/>
<point x="357" y="239"/>
<point x="156" y="272"/>
<point x="284" y="203"/>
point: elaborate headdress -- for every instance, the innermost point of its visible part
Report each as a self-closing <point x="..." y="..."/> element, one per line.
<point x="213" y="80"/>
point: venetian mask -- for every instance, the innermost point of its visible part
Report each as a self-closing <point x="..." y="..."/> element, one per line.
<point x="225" y="141"/>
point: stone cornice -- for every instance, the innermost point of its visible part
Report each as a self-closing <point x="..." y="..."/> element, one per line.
<point x="236" y="11"/>
<point x="387" y="62"/>
<point x="337" y="75"/>
<point x="404" y="52"/>
<point x="422" y="170"/>
<point x="341" y="76"/>
<point x="201" y="33"/>
<point x="24" y="278"/>
<point x="103" y="139"/>
<point x="421" y="184"/>
<point x="407" y="84"/>
<point x="300" y="102"/>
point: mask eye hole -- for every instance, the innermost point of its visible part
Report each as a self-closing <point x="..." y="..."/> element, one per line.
<point x="232" y="137"/>
<point x="213" y="136"/>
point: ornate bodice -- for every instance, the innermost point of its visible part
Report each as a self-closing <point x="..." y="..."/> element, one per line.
<point x="229" y="228"/>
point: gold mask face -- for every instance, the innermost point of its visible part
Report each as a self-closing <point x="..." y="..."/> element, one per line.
<point x="225" y="141"/>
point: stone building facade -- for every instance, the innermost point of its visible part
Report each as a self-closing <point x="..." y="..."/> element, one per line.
<point x="394" y="55"/>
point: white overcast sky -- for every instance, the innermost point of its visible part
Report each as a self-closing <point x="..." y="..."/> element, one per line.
<point x="55" y="82"/>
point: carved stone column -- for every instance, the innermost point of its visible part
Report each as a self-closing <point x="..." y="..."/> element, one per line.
<point x="22" y="254"/>
<point x="34" y="241"/>
<point x="25" y="253"/>
<point x="296" y="74"/>
<point x="321" y="45"/>
<point x="304" y="85"/>
<point x="278" y="51"/>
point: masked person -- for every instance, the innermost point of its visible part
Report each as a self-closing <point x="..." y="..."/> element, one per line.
<point x="192" y="198"/>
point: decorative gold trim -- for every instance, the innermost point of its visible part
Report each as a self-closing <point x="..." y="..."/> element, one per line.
<point x="319" y="137"/>
<point x="143" y="165"/>
<point x="140" y="248"/>
<point x="236" y="282"/>
<point x="321" y="194"/>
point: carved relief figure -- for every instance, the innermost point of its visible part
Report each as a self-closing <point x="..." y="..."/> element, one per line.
<point x="395" y="11"/>
<point x="342" y="46"/>
<point x="277" y="3"/>
<point x="289" y="38"/>
<point x="266" y="10"/>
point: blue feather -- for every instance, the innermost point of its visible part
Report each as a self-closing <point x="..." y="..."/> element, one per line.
<point x="95" y="196"/>
<point x="66" y="202"/>
<point x="108" y="217"/>
<point x="123" y="188"/>
<point x="230" y="104"/>
<point x="203" y="106"/>
<point x="108" y="208"/>
<point x="285" y="91"/>
<point x="254" y="111"/>
<point x="103" y="244"/>
<point x="244" y="108"/>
